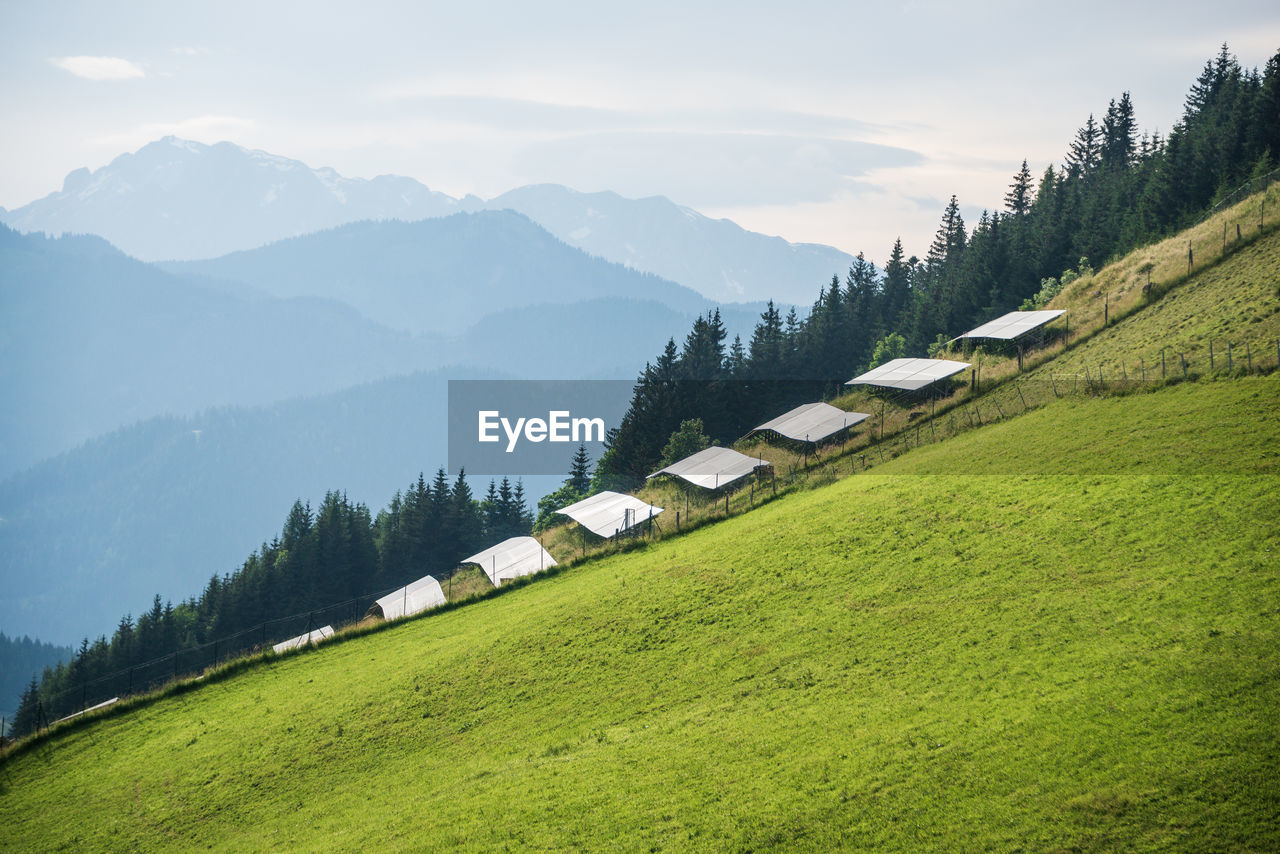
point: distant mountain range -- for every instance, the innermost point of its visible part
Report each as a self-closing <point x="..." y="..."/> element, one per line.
<point x="158" y="420"/>
<point x="437" y="275"/>
<point x="179" y="200"/>
<point x="206" y="406"/>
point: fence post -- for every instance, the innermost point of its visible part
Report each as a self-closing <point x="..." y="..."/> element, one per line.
<point x="1248" y="356"/>
<point x="1190" y="257"/>
<point x="1228" y="357"/>
<point x="1183" y="357"/>
<point x="1144" y="368"/>
<point x="1162" y="371"/>
<point x="1211" y="355"/>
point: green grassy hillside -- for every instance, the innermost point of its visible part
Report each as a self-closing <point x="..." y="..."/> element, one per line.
<point x="1064" y="638"/>
<point x="952" y="662"/>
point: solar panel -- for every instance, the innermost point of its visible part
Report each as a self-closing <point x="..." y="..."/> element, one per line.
<point x="713" y="468"/>
<point x="609" y="513"/>
<point x="511" y="559"/>
<point x="1013" y="325"/>
<point x="813" y="422"/>
<point x="419" y="596"/>
<point x="909" y="374"/>
<point x="302" y="640"/>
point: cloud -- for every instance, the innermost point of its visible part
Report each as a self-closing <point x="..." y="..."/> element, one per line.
<point x="187" y="50"/>
<point x="710" y="169"/>
<point x="209" y="129"/>
<point x="100" y="67"/>
<point x="541" y="117"/>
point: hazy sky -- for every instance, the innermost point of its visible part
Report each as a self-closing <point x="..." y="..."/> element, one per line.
<point x="838" y="123"/>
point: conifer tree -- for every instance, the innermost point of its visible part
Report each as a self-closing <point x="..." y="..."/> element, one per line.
<point x="1018" y="200"/>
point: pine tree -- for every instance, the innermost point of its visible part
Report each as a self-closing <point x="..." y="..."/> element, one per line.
<point x="1085" y="150"/>
<point x="1119" y="132"/>
<point x="1018" y="200"/>
<point x="580" y="471"/>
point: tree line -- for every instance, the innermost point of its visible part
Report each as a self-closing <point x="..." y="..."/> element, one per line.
<point x="1116" y="189"/>
<point x="326" y="555"/>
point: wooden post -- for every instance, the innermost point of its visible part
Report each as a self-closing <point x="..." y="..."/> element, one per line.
<point x="1106" y="310"/>
<point x="677" y="520"/>
<point x="1144" y="369"/>
<point x="1228" y="357"/>
<point x="1190" y="257"/>
<point x="1210" y="354"/>
<point x="1248" y="356"/>
<point x="1237" y="231"/>
<point x="1183" y="357"/>
<point x="1224" y="238"/>
<point x="1162" y="370"/>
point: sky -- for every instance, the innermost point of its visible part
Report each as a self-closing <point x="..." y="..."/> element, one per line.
<point x="848" y="124"/>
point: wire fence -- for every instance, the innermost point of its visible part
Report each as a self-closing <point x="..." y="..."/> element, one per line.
<point x="910" y="421"/>
<point x="881" y="440"/>
<point x="193" y="661"/>
<point x="1244" y="191"/>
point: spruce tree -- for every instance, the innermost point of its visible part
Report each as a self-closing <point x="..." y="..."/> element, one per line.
<point x="1018" y="200"/>
<point x="580" y="471"/>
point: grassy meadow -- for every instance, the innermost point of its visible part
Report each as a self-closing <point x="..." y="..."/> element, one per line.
<point x="1017" y="662"/>
<point x="1053" y="626"/>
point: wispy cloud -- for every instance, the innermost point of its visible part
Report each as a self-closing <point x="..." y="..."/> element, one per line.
<point x="99" y="67"/>
<point x="200" y="128"/>
<point x="188" y="50"/>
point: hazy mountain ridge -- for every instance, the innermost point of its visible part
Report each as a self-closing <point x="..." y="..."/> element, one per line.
<point x="179" y="200"/>
<point x="717" y="257"/>
<point x="93" y="339"/>
<point x="438" y="275"/>
<point x="175" y="198"/>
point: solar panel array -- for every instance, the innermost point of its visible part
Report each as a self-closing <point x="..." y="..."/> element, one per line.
<point x="713" y="468"/>
<point x="812" y="422"/>
<point x="302" y="640"/>
<point x="608" y="513"/>
<point x="511" y="559"/>
<point x="411" y="599"/>
<point x="909" y="374"/>
<point x="1013" y="325"/>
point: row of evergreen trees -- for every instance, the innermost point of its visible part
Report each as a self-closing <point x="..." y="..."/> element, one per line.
<point x="1115" y="190"/>
<point x="332" y="554"/>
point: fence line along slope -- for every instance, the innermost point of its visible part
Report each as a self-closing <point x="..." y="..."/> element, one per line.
<point x="1057" y="661"/>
